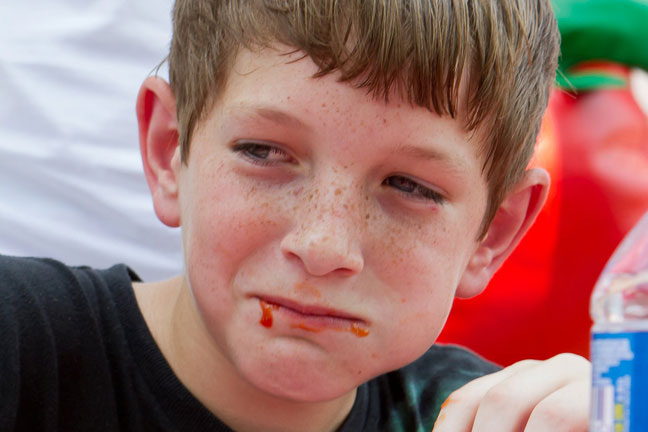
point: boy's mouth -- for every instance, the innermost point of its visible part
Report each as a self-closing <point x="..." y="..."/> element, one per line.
<point x="312" y="318"/>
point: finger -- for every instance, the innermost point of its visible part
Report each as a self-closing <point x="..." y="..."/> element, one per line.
<point x="508" y="405"/>
<point x="458" y="412"/>
<point x="565" y="410"/>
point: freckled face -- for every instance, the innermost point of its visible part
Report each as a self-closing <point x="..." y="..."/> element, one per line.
<point x="350" y="220"/>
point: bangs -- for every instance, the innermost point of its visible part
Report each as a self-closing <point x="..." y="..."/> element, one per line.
<point x="417" y="48"/>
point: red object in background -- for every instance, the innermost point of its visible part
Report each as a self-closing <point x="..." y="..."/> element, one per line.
<point x="595" y="146"/>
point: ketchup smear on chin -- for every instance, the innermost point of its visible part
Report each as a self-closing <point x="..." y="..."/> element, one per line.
<point x="266" y="321"/>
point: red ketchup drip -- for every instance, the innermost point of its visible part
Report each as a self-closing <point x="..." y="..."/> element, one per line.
<point x="305" y="327"/>
<point x="266" y="316"/>
<point x="359" y="331"/>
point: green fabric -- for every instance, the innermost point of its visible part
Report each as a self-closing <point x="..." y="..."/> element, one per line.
<point x="411" y="397"/>
<point x="589" y="81"/>
<point x="612" y="30"/>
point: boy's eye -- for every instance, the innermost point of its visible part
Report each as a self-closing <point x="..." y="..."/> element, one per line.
<point x="412" y="189"/>
<point x="261" y="154"/>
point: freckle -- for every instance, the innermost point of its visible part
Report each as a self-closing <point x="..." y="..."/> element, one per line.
<point x="403" y="300"/>
<point x="367" y="216"/>
<point x="338" y="191"/>
<point x="384" y="121"/>
<point x="374" y="355"/>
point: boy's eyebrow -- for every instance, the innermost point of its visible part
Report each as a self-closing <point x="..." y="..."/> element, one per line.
<point x="275" y="115"/>
<point x="430" y="154"/>
<point x="421" y="153"/>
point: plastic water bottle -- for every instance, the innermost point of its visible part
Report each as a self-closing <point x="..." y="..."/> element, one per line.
<point x="619" y="350"/>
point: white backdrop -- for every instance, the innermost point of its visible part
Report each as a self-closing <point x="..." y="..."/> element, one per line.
<point x="71" y="182"/>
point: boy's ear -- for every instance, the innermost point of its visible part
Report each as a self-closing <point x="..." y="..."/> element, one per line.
<point x="158" y="137"/>
<point x="514" y="217"/>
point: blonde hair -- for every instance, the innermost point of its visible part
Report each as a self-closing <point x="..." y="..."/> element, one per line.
<point x="507" y="50"/>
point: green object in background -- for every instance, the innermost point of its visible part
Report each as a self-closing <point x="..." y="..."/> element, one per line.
<point x="589" y="80"/>
<point x="591" y="30"/>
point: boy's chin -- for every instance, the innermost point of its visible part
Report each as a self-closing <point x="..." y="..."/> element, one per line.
<point x="298" y="380"/>
<point x="306" y="391"/>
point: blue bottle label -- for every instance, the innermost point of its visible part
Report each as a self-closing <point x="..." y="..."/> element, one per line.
<point x="619" y="382"/>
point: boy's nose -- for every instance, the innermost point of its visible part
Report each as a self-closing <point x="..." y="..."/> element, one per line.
<point x="325" y="240"/>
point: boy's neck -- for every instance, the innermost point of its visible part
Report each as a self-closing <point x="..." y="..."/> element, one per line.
<point x="169" y="311"/>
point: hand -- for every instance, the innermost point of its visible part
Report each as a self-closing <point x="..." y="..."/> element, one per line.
<point x="528" y="396"/>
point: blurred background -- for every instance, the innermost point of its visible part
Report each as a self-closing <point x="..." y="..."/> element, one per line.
<point x="71" y="180"/>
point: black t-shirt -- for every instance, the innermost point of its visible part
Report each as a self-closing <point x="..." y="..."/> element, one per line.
<point x="77" y="355"/>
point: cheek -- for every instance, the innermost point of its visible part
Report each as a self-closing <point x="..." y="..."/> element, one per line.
<point x="229" y="222"/>
<point x="422" y="270"/>
<point x="420" y="261"/>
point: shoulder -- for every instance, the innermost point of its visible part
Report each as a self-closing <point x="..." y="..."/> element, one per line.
<point x="39" y="290"/>
<point x="60" y="332"/>
<point x="46" y="277"/>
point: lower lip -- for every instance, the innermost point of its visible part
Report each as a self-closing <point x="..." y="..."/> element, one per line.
<point x="308" y="322"/>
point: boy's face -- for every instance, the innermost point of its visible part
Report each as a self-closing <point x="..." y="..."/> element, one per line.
<point x="350" y="221"/>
